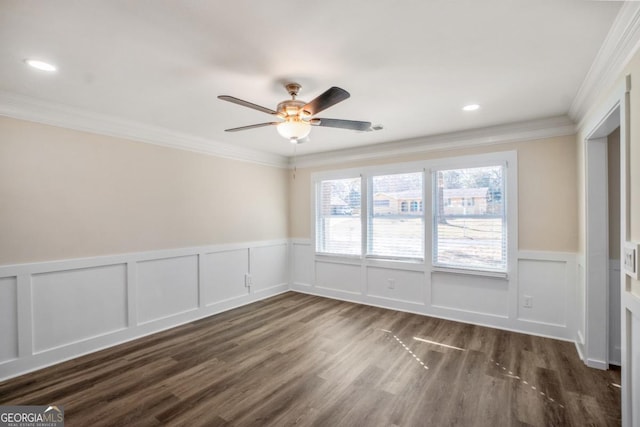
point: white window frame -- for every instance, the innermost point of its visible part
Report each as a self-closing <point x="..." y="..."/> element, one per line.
<point x="428" y="166"/>
<point x="395" y="169"/>
<point x="510" y="197"/>
<point x="316" y="179"/>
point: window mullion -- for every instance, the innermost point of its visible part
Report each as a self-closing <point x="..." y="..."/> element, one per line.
<point x="364" y="209"/>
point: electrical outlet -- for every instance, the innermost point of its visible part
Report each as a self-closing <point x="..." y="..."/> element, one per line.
<point x="528" y="301"/>
<point x="391" y="283"/>
<point x="248" y="281"/>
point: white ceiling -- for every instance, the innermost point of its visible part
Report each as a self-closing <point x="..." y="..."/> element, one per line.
<point x="408" y="65"/>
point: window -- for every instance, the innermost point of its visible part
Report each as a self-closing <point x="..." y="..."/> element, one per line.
<point x="469" y="222"/>
<point x="397" y="231"/>
<point x="338" y="227"/>
<point x="378" y="214"/>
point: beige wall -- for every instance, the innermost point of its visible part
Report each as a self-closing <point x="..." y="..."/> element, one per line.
<point x="67" y="194"/>
<point x="547" y="181"/>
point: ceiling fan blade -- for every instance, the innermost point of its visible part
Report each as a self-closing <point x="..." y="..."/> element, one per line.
<point x="259" y="125"/>
<point x="247" y="104"/>
<point x="329" y="98"/>
<point x="342" y="124"/>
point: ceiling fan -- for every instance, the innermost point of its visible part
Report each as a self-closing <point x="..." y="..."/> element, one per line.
<point x="297" y="116"/>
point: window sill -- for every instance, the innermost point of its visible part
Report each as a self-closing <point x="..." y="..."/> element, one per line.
<point x="483" y="273"/>
<point x="343" y="259"/>
<point x="413" y="264"/>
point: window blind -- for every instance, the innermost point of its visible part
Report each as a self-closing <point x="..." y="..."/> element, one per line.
<point x="395" y="224"/>
<point x="469" y="221"/>
<point x="338" y="223"/>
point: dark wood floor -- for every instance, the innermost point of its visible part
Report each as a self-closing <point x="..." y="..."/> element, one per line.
<point x="300" y="359"/>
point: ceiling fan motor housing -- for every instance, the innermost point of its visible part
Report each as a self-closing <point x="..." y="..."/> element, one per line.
<point x="290" y="108"/>
<point x="293" y="89"/>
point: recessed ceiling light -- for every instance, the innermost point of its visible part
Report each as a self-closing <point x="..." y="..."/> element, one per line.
<point x="471" y="107"/>
<point x="40" y="65"/>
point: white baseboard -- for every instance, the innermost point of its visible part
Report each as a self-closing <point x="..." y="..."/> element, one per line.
<point x="597" y="364"/>
<point x="579" y="341"/>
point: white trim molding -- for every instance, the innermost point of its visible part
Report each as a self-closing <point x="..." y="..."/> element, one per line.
<point x="50" y="113"/>
<point x="494" y="135"/>
<point x="617" y="49"/>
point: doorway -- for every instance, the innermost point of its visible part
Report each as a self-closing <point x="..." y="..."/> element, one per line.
<point x="613" y="114"/>
<point x="602" y="218"/>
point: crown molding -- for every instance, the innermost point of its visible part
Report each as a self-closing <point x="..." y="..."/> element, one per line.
<point x="494" y="135"/>
<point x="621" y="43"/>
<point x="35" y="110"/>
<point x="31" y="109"/>
<point x="616" y="51"/>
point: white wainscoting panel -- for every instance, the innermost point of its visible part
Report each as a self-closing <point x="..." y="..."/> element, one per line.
<point x="302" y="263"/>
<point x="548" y="277"/>
<point x="167" y="287"/>
<point x="338" y="277"/>
<point x="223" y="275"/>
<point x="551" y="280"/>
<point x="8" y="318"/>
<point x="544" y="283"/>
<point x="59" y="310"/>
<point x="475" y="294"/>
<point x="269" y="267"/>
<point x="395" y="285"/>
<point x="74" y="305"/>
<point x="105" y="301"/>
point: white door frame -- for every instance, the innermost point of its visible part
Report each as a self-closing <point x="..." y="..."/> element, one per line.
<point x="597" y="248"/>
<point x="614" y="113"/>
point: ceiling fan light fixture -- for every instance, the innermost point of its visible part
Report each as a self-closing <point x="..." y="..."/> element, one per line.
<point x="294" y="129"/>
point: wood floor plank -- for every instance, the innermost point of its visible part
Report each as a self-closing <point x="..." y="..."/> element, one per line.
<point x="298" y="359"/>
